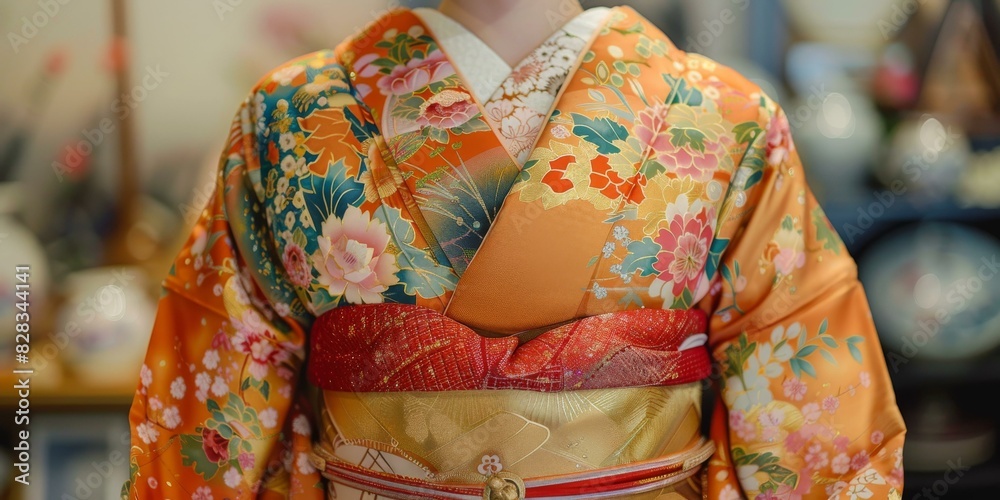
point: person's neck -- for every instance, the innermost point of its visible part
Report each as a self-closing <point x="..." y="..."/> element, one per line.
<point x="512" y="28"/>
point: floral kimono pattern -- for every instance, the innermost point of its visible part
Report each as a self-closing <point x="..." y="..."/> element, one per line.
<point x="369" y="174"/>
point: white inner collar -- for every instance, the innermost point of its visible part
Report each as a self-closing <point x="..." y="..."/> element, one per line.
<point x="479" y="65"/>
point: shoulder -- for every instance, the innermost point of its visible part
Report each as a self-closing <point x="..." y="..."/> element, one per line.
<point x="319" y="74"/>
<point x="734" y="96"/>
<point x="696" y="80"/>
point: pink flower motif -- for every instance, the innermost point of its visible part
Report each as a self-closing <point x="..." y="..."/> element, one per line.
<point x="859" y="460"/>
<point x="653" y="128"/>
<point x="684" y="244"/>
<point x="840" y="443"/>
<point x="736" y="418"/>
<point x="285" y="373"/>
<point x="560" y="132"/>
<point x="202" y="493"/>
<point x="841" y="464"/>
<point x="794" y="389"/>
<point x="770" y="422"/>
<point x="816" y="457"/>
<point x="779" y="140"/>
<point x="296" y="265"/>
<point x="896" y="477"/>
<point x="739" y="426"/>
<point x="794" y="442"/>
<point x="246" y="461"/>
<point x="414" y="75"/>
<point x="447" y="109"/>
<point x="786" y="250"/>
<point x="767" y="495"/>
<point x="788" y="260"/>
<point x="254" y="338"/>
<point x="221" y="341"/>
<point x="830" y="404"/>
<point x="352" y="259"/>
<point x="877" y="437"/>
<point x="802" y="488"/>
<point x="811" y="412"/>
<point x="215" y="446"/>
<point x="866" y="379"/>
<point x="698" y="163"/>
<point x="772" y="418"/>
<point x="832" y="490"/>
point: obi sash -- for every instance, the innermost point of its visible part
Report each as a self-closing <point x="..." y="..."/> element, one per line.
<point x="417" y="405"/>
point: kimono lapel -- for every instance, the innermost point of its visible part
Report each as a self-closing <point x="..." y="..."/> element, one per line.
<point x="447" y="155"/>
<point x="544" y="252"/>
<point x="523" y="103"/>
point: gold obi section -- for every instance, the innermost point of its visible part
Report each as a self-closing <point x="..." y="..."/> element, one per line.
<point x="465" y="436"/>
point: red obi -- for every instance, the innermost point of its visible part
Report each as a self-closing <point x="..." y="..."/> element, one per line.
<point x="397" y="347"/>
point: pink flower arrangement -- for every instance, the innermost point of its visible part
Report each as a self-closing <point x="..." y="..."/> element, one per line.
<point x="410" y="77"/>
<point x="684" y="248"/>
<point x="860" y="460"/>
<point x="779" y="140"/>
<point x="447" y="109"/>
<point x="830" y="404"/>
<point x="297" y="265"/>
<point x="253" y="337"/>
<point x="352" y="259"/>
<point x="688" y="161"/>
<point x="794" y="388"/>
<point x="786" y="251"/>
<point x="653" y="128"/>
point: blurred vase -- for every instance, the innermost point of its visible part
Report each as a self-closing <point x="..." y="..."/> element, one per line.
<point x="927" y="156"/>
<point x="933" y="290"/>
<point x="838" y="135"/>
<point x="854" y="23"/>
<point x="18" y="247"/>
<point x="107" y="317"/>
<point x="978" y="184"/>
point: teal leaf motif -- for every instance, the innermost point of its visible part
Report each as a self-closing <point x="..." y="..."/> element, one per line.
<point x="688" y="137"/>
<point x="641" y="257"/>
<point x="855" y="352"/>
<point x="682" y="93"/>
<point x="193" y="455"/>
<point x="419" y="274"/>
<point x="714" y="256"/>
<point x="477" y="124"/>
<point x="651" y="168"/>
<point x="747" y="132"/>
<point x="601" y="132"/>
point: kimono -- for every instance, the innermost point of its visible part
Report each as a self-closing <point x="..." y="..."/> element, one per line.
<point x="426" y="274"/>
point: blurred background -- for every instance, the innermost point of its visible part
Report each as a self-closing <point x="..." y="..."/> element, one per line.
<point x="113" y="113"/>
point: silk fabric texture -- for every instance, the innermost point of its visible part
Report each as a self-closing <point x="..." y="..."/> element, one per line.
<point x="372" y="174"/>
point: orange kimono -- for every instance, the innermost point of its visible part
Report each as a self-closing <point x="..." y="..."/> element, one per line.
<point x="417" y="281"/>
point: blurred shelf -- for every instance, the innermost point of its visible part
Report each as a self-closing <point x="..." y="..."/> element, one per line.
<point x="917" y="373"/>
<point x="862" y="214"/>
<point x="845" y="210"/>
<point x="978" y="480"/>
<point x="71" y="397"/>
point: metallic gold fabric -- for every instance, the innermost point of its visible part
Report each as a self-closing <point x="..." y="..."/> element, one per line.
<point x="462" y="436"/>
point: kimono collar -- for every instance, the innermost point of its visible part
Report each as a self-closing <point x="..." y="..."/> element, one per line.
<point x="483" y="70"/>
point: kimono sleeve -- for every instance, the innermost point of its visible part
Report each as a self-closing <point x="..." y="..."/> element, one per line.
<point x="805" y="408"/>
<point x="218" y="412"/>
